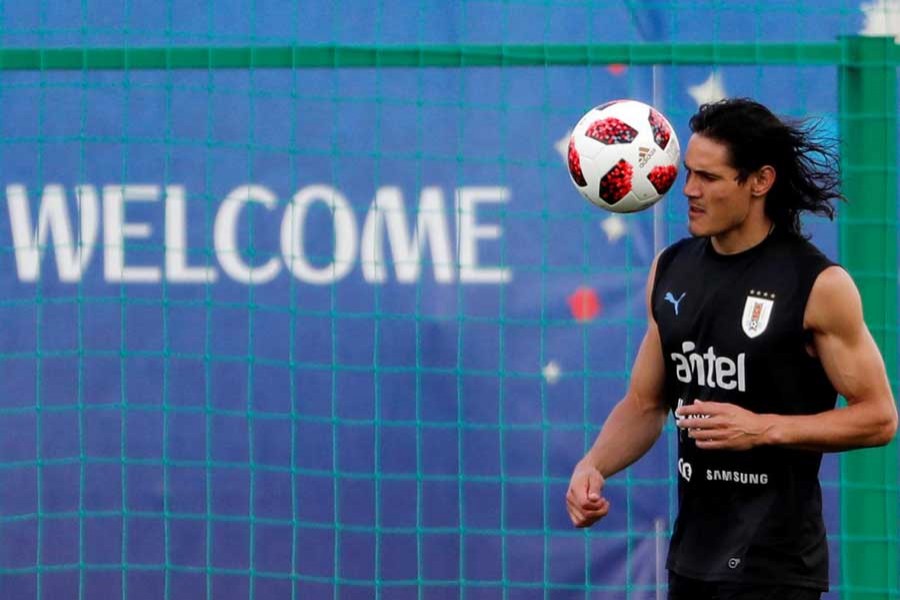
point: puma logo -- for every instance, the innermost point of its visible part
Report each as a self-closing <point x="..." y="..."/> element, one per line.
<point x="670" y="298"/>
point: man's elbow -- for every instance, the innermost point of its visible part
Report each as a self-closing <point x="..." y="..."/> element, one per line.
<point x="886" y="427"/>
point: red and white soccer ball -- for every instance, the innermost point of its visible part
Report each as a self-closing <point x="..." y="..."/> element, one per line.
<point x="623" y="156"/>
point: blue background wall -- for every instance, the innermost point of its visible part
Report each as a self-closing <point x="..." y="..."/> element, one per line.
<point x="351" y="439"/>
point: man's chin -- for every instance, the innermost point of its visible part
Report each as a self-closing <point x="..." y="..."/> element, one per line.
<point x="695" y="230"/>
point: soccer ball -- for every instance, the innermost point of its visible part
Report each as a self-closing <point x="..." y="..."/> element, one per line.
<point x="623" y="156"/>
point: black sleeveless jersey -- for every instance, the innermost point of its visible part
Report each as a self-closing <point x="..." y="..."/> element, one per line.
<point x="732" y="331"/>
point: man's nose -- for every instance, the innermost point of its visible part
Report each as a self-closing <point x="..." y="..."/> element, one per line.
<point x="691" y="189"/>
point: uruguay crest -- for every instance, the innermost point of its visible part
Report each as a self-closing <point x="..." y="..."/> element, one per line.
<point x="757" y="311"/>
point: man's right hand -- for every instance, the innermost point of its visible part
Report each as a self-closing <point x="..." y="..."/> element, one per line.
<point x="584" y="500"/>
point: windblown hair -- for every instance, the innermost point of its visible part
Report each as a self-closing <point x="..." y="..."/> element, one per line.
<point x="807" y="171"/>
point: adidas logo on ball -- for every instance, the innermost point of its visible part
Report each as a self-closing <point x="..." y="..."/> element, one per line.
<point x="645" y="154"/>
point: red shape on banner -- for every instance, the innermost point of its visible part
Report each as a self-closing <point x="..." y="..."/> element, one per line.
<point x="616" y="69"/>
<point x="584" y="304"/>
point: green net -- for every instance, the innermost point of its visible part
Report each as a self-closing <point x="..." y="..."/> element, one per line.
<point x="301" y="303"/>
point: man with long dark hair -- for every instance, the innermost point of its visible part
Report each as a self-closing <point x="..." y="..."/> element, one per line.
<point x="752" y="332"/>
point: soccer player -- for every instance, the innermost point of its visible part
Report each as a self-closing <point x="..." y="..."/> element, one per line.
<point x="752" y="332"/>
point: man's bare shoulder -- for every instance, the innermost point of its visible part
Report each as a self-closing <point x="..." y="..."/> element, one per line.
<point x="834" y="302"/>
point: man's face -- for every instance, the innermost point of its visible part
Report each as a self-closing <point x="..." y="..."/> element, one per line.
<point x="717" y="202"/>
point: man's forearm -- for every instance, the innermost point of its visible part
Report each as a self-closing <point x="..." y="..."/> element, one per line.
<point x="628" y="433"/>
<point x="832" y="431"/>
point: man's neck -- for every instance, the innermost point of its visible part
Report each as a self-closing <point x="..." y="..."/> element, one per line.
<point x="739" y="240"/>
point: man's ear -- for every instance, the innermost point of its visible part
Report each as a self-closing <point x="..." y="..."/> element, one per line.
<point x="762" y="180"/>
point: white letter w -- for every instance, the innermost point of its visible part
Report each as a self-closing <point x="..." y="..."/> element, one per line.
<point x="53" y="216"/>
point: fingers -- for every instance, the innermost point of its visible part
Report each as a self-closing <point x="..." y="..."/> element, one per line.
<point x="587" y="519"/>
<point x="700" y="423"/>
<point x="594" y="486"/>
<point x="701" y="409"/>
<point x="713" y="444"/>
<point x="707" y="429"/>
<point x="716" y="436"/>
<point x="586" y="514"/>
<point x="584" y="500"/>
<point x="711" y="435"/>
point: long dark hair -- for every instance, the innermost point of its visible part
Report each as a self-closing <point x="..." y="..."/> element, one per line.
<point x="807" y="171"/>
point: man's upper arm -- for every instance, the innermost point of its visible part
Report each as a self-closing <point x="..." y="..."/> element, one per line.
<point x="648" y="371"/>
<point x="843" y="343"/>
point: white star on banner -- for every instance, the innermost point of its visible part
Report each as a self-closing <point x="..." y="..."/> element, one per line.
<point x="882" y="18"/>
<point x="562" y="146"/>
<point x="710" y="90"/>
<point x="614" y="227"/>
<point x="551" y="372"/>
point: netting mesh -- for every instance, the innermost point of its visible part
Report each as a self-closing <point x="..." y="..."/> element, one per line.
<point x="331" y="321"/>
